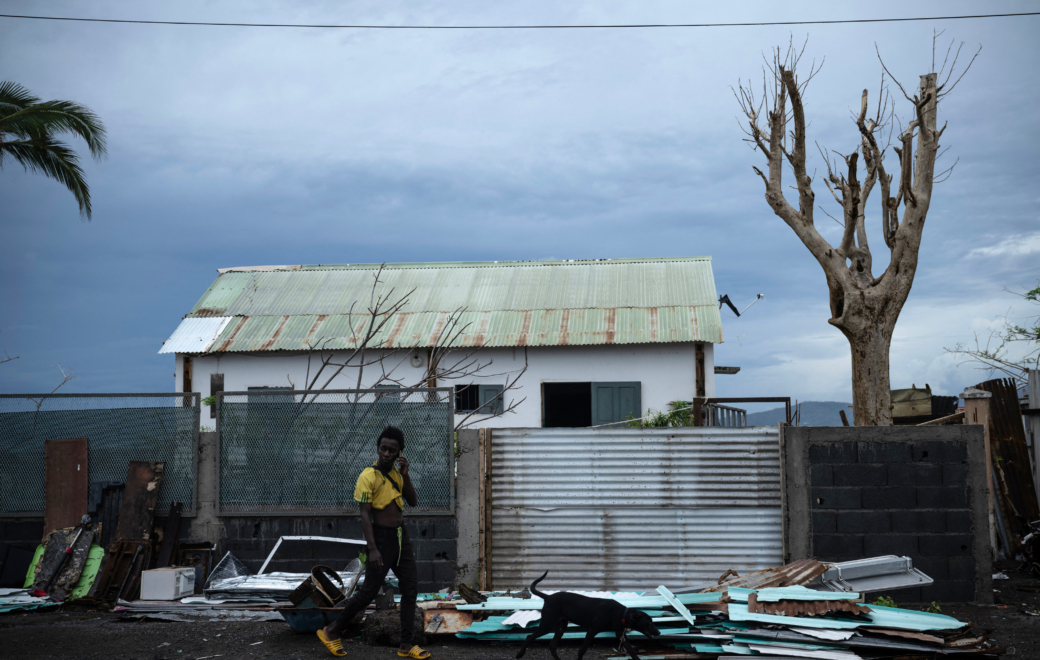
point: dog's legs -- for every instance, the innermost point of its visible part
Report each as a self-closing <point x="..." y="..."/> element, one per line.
<point x="561" y="627"/>
<point x="589" y="637"/>
<point x="542" y="629"/>
<point x="631" y="649"/>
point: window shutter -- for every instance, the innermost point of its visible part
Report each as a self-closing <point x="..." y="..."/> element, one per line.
<point x="487" y="393"/>
<point x="616" y="402"/>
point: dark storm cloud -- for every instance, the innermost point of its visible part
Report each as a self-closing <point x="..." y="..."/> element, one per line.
<point x="243" y="147"/>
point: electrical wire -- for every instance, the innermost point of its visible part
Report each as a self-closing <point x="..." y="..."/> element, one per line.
<point x="516" y="27"/>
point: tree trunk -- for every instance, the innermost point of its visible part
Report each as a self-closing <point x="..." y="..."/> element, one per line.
<point x="871" y="389"/>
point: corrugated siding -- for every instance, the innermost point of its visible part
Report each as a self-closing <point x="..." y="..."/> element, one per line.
<point x="623" y="509"/>
<point x="508" y="304"/>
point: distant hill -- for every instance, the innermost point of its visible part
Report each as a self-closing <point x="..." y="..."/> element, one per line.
<point x="814" y="413"/>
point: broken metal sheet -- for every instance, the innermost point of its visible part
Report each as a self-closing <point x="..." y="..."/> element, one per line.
<point x="331" y="539"/>
<point x="831" y="635"/>
<point x="902" y="633"/>
<point x="442" y="622"/>
<point x="804" y="653"/>
<point x="522" y="618"/>
<point x="639" y="602"/>
<point x="804" y="607"/>
<point x="22" y="599"/>
<point x="800" y="572"/>
<point x="674" y="602"/>
<point x="773" y="594"/>
<point x="873" y="574"/>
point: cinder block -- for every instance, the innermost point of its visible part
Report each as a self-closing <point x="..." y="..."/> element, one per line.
<point x="883" y="452"/>
<point x="824" y="522"/>
<point x="960" y="568"/>
<point x="836" y="498"/>
<point x="446" y="528"/>
<point x="937" y="568"/>
<point x="958" y="521"/>
<point x="424" y="574"/>
<point x="443" y="574"/>
<point x="860" y="475"/>
<point x="945" y="545"/>
<point x="949" y="591"/>
<point x="863" y="522"/>
<point x="918" y="521"/>
<point x="954" y="474"/>
<point x="890" y="544"/>
<point x="945" y="497"/>
<point x="435" y="549"/>
<point x="835" y="452"/>
<point x="828" y="546"/>
<point x="892" y="497"/>
<point x="915" y="474"/>
<point x="940" y="452"/>
<point x="821" y="475"/>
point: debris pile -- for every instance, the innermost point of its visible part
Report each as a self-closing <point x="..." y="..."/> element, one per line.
<point x="769" y="614"/>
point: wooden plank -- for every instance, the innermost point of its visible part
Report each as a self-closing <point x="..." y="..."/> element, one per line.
<point x="137" y="513"/>
<point x="66" y="483"/>
<point x="170" y="534"/>
<point x="482" y="542"/>
<point x="488" y="499"/>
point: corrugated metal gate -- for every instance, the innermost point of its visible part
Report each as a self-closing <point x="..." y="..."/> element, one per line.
<point x="627" y="509"/>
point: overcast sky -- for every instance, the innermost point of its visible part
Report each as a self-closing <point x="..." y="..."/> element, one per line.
<point x="247" y="146"/>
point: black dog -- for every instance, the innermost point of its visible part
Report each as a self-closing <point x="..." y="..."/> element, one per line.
<point x="594" y="614"/>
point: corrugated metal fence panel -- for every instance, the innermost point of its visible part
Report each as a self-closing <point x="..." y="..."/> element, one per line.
<point x="624" y="509"/>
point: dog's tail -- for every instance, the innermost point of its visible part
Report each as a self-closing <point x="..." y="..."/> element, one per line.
<point x="534" y="588"/>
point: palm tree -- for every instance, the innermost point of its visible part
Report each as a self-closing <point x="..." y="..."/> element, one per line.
<point x="33" y="124"/>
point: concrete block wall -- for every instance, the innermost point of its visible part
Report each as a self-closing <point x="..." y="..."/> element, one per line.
<point x="852" y="493"/>
<point x="251" y="539"/>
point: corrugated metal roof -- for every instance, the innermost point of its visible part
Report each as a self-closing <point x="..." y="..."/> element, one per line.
<point x="533" y="303"/>
<point x="195" y="335"/>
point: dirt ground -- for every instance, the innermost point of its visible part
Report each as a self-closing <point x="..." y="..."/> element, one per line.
<point x="70" y="635"/>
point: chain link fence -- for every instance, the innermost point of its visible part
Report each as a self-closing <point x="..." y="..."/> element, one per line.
<point x="119" y="428"/>
<point x="292" y="452"/>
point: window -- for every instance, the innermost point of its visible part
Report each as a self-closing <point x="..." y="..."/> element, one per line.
<point x="575" y="405"/>
<point x="472" y="397"/>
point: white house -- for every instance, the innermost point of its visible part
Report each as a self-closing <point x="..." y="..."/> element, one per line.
<point x="602" y="339"/>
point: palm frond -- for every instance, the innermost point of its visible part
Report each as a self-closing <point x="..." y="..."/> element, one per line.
<point x="47" y="156"/>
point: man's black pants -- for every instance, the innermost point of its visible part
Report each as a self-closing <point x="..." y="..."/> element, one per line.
<point x="401" y="559"/>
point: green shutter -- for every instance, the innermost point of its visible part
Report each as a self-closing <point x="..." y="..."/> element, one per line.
<point x="487" y="393"/>
<point x="615" y="402"/>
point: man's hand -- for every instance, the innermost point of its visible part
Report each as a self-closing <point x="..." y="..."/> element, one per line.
<point x="374" y="558"/>
<point x="402" y="466"/>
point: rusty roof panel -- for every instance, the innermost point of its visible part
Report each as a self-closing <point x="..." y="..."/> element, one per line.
<point x="507" y="304"/>
<point x="804" y="607"/>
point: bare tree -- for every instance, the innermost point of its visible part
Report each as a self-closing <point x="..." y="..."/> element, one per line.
<point x="864" y="307"/>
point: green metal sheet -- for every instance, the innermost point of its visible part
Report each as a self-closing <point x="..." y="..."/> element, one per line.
<point x="506" y="304"/>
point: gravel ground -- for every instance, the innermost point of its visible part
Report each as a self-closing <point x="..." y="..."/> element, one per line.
<point x="73" y="635"/>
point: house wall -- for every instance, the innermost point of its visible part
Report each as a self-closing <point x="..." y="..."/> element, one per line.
<point x="666" y="371"/>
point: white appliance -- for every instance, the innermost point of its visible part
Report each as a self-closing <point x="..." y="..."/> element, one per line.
<point x="168" y="583"/>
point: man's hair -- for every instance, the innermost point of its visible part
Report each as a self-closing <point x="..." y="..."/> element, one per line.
<point x="392" y="433"/>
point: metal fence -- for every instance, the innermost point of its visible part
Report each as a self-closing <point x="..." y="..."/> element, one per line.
<point x="294" y="452"/>
<point x="119" y="428"/>
<point x="718" y="415"/>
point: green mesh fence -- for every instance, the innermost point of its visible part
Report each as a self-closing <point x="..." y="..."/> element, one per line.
<point x="287" y="452"/>
<point x="119" y="428"/>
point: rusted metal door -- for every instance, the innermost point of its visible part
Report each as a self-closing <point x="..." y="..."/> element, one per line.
<point x="66" y="480"/>
<point x="623" y="509"/>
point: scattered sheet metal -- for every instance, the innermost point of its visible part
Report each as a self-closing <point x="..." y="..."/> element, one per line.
<point x="832" y="635"/>
<point x="804" y="607"/>
<point x="800" y="572"/>
<point x="330" y="539"/>
<point x="441" y="622"/>
<point x="522" y="618"/>
<point x="873" y="574"/>
<point x="22" y="599"/>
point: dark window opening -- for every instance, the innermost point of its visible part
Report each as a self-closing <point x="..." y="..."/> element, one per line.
<point x="566" y="405"/>
<point x="485" y="398"/>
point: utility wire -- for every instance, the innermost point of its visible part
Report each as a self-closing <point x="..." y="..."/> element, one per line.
<point x="517" y="27"/>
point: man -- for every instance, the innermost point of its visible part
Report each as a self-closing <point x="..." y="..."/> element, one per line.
<point x="379" y="491"/>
